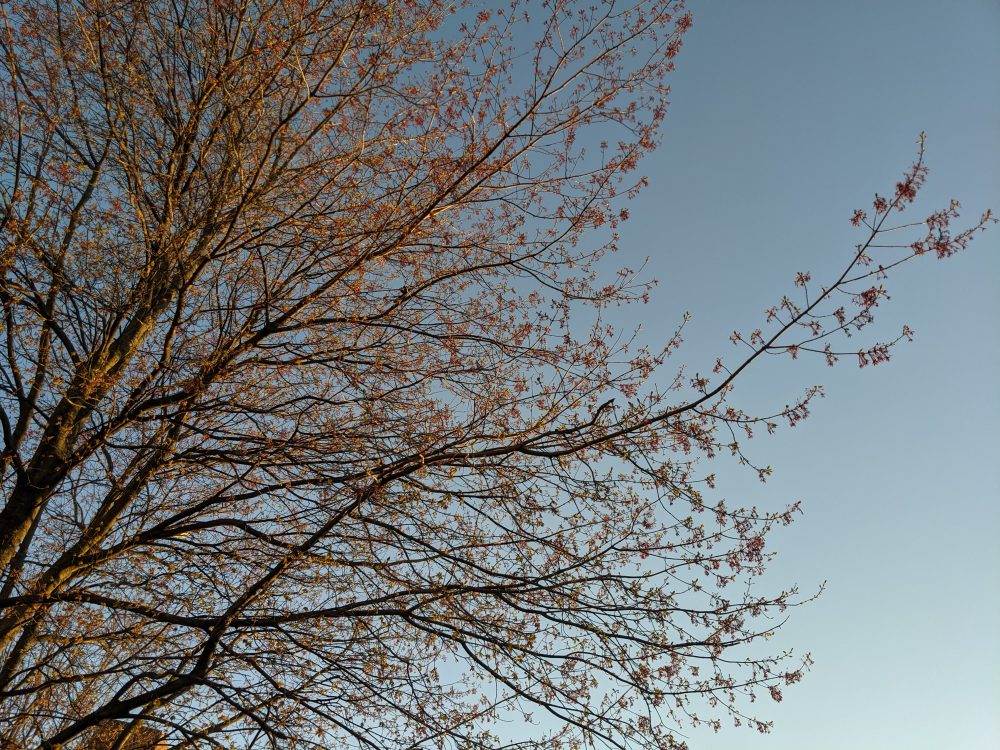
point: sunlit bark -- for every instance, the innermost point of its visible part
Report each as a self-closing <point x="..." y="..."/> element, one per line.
<point x="314" y="435"/>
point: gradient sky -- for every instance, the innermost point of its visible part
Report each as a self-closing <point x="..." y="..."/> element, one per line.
<point x="785" y="116"/>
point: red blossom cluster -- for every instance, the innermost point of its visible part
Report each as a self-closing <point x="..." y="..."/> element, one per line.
<point x="817" y="318"/>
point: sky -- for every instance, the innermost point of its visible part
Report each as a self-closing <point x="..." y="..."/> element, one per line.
<point x="785" y="116"/>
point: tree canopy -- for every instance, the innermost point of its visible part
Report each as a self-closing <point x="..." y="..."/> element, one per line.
<point x="315" y="433"/>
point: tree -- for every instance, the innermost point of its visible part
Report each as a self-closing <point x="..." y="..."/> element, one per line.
<point x="107" y="733"/>
<point x="315" y="434"/>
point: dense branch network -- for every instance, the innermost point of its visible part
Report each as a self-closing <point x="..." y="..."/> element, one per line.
<point x="303" y="442"/>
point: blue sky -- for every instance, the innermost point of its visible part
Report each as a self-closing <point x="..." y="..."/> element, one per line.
<point x="785" y="116"/>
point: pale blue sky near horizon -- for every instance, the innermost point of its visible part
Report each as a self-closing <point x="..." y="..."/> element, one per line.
<point x="784" y="117"/>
